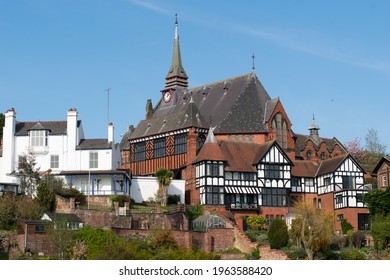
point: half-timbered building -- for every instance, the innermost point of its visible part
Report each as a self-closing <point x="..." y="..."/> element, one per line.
<point x="252" y="162"/>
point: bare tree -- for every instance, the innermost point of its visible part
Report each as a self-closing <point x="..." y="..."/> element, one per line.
<point x="311" y="226"/>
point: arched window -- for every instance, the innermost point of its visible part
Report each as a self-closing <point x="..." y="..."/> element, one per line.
<point x="308" y="155"/>
<point x="323" y="156"/>
<point x="279" y="127"/>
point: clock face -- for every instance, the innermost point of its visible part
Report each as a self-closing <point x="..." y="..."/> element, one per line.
<point x="167" y="96"/>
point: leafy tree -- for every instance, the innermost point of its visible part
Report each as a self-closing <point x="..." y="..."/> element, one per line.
<point x="380" y="231"/>
<point x="378" y="202"/>
<point x="255" y="222"/>
<point x="345" y="226"/>
<point x="13" y="208"/>
<point x="194" y="212"/>
<point x="45" y="197"/>
<point x="28" y="174"/>
<point x="164" y="178"/>
<point x="277" y="234"/>
<point x="96" y="239"/>
<point x="311" y="226"/>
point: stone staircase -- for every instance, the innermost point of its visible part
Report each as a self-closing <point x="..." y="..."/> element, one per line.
<point x="245" y="244"/>
<point x="242" y="241"/>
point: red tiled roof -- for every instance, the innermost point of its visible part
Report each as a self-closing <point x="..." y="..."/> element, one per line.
<point x="304" y="168"/>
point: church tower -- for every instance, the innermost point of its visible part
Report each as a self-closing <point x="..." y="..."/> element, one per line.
<point x="176" y="75"/>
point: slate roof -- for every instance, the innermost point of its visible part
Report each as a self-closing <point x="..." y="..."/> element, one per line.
<point x="55" y="127"/>
<point x="304" y="168"/>
<point x="234" y="105"/>
<point x="125" y="144"/>
<point x="380" y="163"/>
<point x="63" y="217"/>
<point x="91" y="144"/>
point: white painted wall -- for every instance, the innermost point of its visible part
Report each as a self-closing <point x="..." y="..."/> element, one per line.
<point x="64" y="146"/>
<point x="142" y="188"/>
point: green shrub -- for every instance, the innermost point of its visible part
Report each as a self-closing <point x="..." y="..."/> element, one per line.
<point x="336" y="242"/>
<point x="345" y="226"/>
<point x="255" y="222"/>
<point x="45" y="197"/>
<point x="71" y="192"/>
<point x="295" y="253"/>
<point x="121" y="199"/>
<point x="278" y="234"/>
<point x="351" y="254"/>
<point x="173" y="199"/>
<point x="194" y="212"/>
<point x="253" y="234"/>
<point x="255" y="254"/>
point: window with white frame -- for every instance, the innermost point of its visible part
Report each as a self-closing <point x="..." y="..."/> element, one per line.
<point x="54" y="161"/>
<point x="93" y="159"/>
<point x="38" y="138"/>
<point x="384" y="181"/>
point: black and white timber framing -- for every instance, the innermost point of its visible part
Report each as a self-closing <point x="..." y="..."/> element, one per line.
<point x="271" y="182"/>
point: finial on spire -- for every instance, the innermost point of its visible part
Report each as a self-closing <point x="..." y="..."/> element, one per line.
<point x="176" y="29"/>
<point x="253" y="61"/>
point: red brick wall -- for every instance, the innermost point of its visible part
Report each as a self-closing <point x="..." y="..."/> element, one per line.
<point x="33" y="241"/>
<point x="384" y="170"/>
<point x="96" y="218"/>
<point x="351" y="215"/>
<point x="183" y="238"/>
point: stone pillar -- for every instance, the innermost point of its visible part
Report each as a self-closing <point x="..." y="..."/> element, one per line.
<point x="72" y="204"/>
<point x="116" y="207"/>
<point x="127" y="207"/>
<point x="192" y="194"/>
<point x="158" y="209"/>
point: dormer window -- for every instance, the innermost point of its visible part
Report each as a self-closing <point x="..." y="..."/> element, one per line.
<point x="38" y="138"/>
<point x="38" y="135"/>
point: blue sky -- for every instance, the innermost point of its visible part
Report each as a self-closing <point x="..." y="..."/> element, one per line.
<point x="328" y="58"/>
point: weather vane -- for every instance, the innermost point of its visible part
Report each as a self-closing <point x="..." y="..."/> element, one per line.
<point x="253" y="62"/>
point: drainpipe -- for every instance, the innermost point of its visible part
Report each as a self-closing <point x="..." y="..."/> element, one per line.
<point x="114" y="184"/>
<point x="25" y="237"/>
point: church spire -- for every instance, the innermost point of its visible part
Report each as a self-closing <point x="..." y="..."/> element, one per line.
<point x="176" y="75"/>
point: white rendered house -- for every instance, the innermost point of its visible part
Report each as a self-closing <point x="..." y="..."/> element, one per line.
<point x="60" y="148"/>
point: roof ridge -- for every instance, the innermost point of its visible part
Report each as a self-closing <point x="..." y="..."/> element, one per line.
<point x="220" y="81"/>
